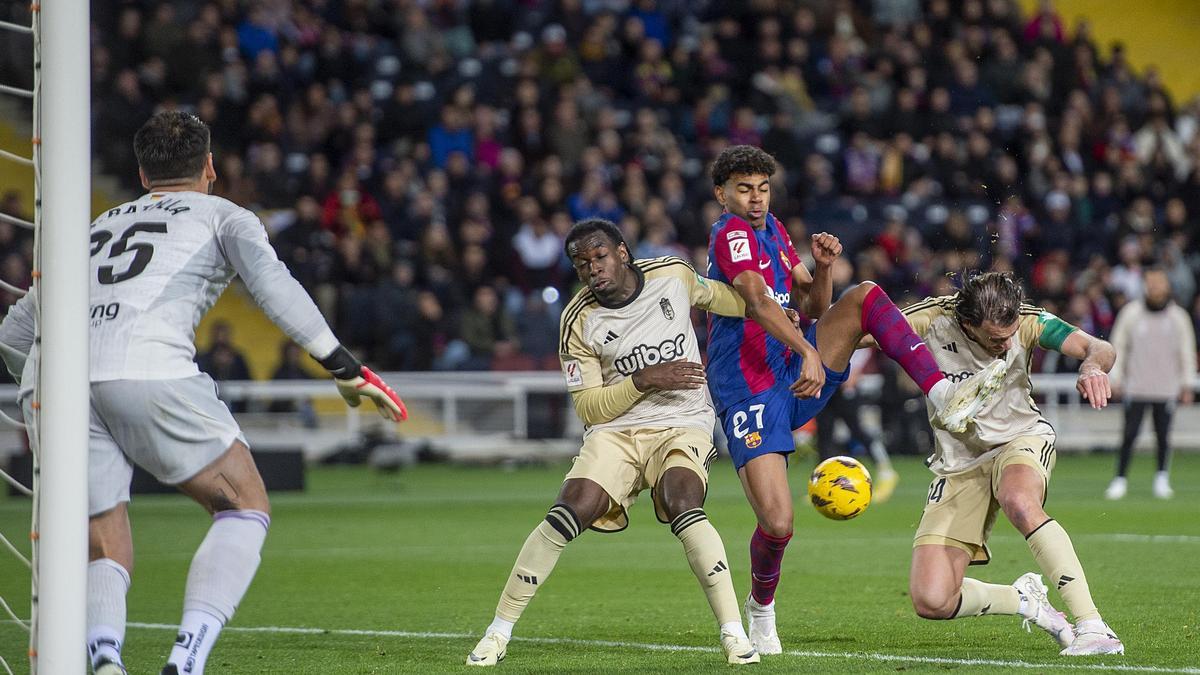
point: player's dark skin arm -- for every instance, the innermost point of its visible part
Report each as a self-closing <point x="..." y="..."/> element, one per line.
<point x="762" y="308"/>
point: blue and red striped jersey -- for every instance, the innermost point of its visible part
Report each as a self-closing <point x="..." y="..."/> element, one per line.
<point x="743" y="360"/>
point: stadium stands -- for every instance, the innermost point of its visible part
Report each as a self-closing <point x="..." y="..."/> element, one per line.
<point x="406" y="154"/>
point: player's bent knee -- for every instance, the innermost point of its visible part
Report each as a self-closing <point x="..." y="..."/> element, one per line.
<point x="1024" y="513"/>
<point x="777" y="525"/>
<point x="586" y="498"/>
<point x="564" y="520"/>
<point x="859" y="292"/>
<point x="680" y="490"/>
<point x="934" y="605"/>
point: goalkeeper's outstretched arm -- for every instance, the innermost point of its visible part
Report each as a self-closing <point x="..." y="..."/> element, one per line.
<point x="244" y="241"/>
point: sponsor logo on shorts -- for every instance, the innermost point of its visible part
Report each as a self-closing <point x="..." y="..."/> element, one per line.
<point x="753" y="439"/>
<point x="645" y="355"/>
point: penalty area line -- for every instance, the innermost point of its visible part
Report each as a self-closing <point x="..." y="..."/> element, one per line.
<point x="658" y="647"/>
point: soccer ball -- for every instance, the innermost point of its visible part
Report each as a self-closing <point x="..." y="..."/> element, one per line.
<point x="840" y="488"/>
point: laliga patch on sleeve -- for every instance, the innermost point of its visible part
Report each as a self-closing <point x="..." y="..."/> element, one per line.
<point x="739" y="250"/>
<point x="573" y="371"/>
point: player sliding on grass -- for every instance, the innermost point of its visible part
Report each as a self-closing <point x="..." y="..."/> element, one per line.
<point x="1002" y="463"/>
<point x="632" y="365"/>
<point x="768" y="379"/>
<point x="157" y="265"/>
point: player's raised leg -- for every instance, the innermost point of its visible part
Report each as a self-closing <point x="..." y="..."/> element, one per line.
<point x="764" y="480"/>
<point x="867" y="310"/>
<point x="110" y="554"/>
<point x="232" y="490"/>
<point x="680" y="493"/>
<point x="1020" y="492"/>
<point x="580" y="502"/>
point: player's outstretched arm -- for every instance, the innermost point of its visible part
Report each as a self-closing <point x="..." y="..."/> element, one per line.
<point x="356" y="382"/>
<point x="715" y="296"/>
<point x="1098" y="358"/>
<point x="244" y="242"/>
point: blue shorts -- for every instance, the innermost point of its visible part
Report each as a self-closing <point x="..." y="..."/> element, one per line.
<point x="763" y="423"/>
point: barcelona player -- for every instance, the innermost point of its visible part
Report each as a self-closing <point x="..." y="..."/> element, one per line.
<point x="768" y="379"/>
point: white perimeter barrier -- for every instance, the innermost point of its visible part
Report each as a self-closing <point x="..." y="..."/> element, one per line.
<point x="475" y="415"/>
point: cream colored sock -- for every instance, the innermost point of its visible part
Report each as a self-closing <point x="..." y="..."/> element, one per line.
<point x="979" y="598"/>
<point x="1055" y="554"/>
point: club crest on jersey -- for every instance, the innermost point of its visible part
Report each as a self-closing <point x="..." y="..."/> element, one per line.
<point x="783" y="257"/>
<point x="753" y="439"/>
<point x="667" y="310"/>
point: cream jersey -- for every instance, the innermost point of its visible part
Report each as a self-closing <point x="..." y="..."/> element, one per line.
<point x="1012" y="413"/>
<point x="159" y="263"/>
<point x="601" y="346"/>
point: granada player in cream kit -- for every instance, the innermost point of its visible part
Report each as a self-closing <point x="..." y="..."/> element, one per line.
<point x="632" y="365"/>
<point x="1002" y="463"/>
<point x="158" y="264"/>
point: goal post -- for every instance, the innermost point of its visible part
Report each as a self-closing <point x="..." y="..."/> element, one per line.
<point x="64" y="126"/>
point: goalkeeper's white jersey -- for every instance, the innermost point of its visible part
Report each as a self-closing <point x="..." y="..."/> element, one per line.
<point x="160" y="262"/>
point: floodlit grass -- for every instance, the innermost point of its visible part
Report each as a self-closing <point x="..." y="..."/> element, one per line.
<point x="415" y="561"/>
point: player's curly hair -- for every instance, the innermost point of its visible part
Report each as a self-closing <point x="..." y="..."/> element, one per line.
<point x="741" y="160"/>
<point x="991" y="296"/>
<point x="172" y="146"/>
<point x="588" y="226"/>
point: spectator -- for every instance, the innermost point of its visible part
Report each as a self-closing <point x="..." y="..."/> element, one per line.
<point x="1156" y="362"/>
<point x="222" y="361"/>
<point x="450" y="120"/>
<point x="485" y="328"/>
<point x="290" y="368"/>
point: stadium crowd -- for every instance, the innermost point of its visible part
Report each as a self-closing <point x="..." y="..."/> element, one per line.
<point x="418" y="163"/>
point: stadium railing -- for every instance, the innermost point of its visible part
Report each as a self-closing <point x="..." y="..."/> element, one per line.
<point x="480" y="415"/>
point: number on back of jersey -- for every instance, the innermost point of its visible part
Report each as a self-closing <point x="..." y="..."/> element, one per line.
<point x="142" y="251"/>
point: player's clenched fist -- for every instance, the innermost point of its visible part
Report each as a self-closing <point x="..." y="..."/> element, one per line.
<point x="670" y="375"/>
<point x="812" y="377"/>
<point x="825" y="248"/>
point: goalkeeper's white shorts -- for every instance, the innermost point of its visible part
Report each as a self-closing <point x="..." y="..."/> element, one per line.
<point x="171" y="428"/>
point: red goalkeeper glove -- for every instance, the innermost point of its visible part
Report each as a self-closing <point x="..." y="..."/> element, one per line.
<point x="355" y="382"/>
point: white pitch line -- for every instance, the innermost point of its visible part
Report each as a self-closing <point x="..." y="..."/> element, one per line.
<point x="658" y="647"/>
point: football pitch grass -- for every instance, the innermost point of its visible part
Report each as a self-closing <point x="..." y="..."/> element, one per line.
<point x="388" y="573"/>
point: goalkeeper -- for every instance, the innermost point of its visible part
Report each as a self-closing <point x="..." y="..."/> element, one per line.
<point x="158" y="264"/>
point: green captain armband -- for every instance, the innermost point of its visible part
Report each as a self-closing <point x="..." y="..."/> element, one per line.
<point x="1054" y="331"/>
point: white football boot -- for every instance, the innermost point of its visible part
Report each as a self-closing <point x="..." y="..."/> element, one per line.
<point x="1094" y="637"/>
<point x="971" y="395"/>
<point x="761" y="621"/>
<point x="1162" y="485"/>
<point x="490" y="650"/>
<point x="1040" y="612"/>
<point x="738" y="650"/>
<point x="1116" y="489"/>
